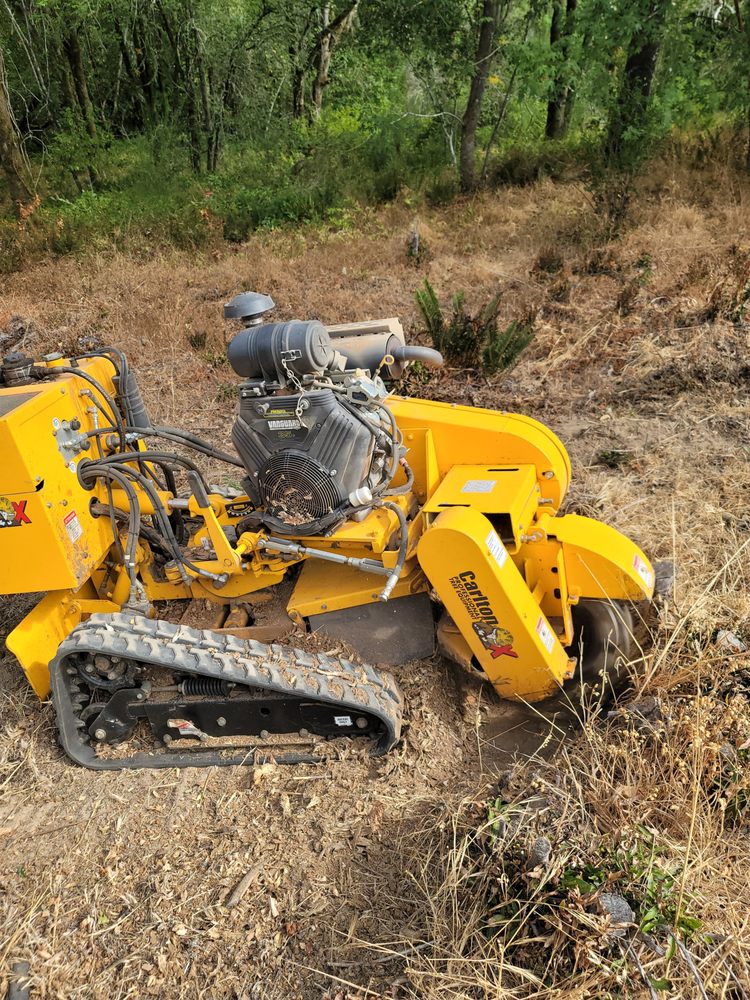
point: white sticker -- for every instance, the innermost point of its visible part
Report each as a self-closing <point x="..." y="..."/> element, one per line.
<point x="479" y="486"/>
<point x="497" y="550"/>
<point x="73" y="526"/>
<point x="643" y="571"/>
<point x="546" y="634"/>
<point x="342" y="720"/>
<point x="283" y="425"/>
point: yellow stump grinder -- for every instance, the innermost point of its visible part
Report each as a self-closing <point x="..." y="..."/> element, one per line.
<point x="397" y="525"/>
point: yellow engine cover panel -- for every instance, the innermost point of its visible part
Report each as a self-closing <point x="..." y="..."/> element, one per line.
<point x="486" y="596"/>
<point x="48" y="537"/>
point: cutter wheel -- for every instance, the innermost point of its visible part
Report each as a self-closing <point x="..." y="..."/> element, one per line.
<point x="211" y="688"/>
<point x="603" y="644"/>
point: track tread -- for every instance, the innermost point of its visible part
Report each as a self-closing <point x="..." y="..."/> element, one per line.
<point x="281" y="669"/>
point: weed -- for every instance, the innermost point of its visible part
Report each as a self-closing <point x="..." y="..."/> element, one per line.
<point x="504" y="347"/>
<point x="474" y="339"/>
<point x="614" y="458"/>
<point x="216" y="359"/>
<point x="549" y="261"/>
<point x="197" y="339"/>
<point x="226" y="391"/>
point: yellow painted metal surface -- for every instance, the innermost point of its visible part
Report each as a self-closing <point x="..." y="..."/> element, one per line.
<point x="508" y="495"/>
<point x="324" y="587"/>
<point x="34" y="640"/>
<point x="48" y="538"/>
<point x="475" y="436"/>
<point x="600" y="562"/>
<point x="486" y="596"/>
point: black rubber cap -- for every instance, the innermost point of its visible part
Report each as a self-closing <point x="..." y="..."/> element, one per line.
<point x="248" y="305"/>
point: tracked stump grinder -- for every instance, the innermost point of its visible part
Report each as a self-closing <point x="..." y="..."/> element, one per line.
<point x="397" y="525"/>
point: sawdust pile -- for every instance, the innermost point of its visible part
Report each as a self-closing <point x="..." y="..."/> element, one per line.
<point x="443" y="870"/>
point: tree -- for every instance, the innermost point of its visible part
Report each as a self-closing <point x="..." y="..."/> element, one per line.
<point x="472" y="112"/>
<point x="316" y="33"/>
<point x="329" y="37"/>
<point x="560" y="104"/>
<point x="12" y="158"/>
<point x="628" y="119"/>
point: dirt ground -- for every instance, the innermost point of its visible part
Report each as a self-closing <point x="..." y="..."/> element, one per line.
<point x="118" y="885"/>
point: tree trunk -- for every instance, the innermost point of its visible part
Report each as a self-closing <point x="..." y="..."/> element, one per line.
<point x="330" y="35"/>
<point x="129" y="62"/>
<point x="298" y="91"/>
<point x="630" y="110"/>
<point x="560" y="106"/>
<point x="72" y="46"/>
<point x="12" y="160"/>
<point x="323" y="62"/>
<point x="470" y="120"/>
<point x="144" y="66"/>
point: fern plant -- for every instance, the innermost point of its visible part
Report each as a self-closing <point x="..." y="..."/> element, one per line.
<point x="473" y="339"/>
<point x="503" y="349"/>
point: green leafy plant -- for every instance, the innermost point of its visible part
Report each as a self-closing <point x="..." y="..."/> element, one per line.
<point x="472" y="339"/>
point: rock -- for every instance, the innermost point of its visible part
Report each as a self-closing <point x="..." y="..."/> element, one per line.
<point x="730" y="643"/>
<point x="539" y="853"/>
<point x="664" y="578"/>
<point x="645" y="713"/>
<point x="646" y="708"/>
<point x="619" y="911"/>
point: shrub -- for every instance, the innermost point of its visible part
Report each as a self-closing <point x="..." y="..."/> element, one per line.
<point x="474" y="339"/>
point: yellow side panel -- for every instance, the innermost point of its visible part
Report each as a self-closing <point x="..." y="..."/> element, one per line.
<point x="600" y="562"/>
<point x="34" y="641"/>
<point x="48" y="537"/>
<point x="324" y="587"/>
<point x="508" y="495"/>
<point x="469" y="435"/>
<point x="485" y="594"/>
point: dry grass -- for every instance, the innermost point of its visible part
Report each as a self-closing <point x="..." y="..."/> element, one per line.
<point x="410" y="877"/>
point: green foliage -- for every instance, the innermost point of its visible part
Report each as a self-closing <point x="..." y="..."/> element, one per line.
<point x="226" y="98"/>
<point x="637" y="868"/>
<point x="475" y="339"/>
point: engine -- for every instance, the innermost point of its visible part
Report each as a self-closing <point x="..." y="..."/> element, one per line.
<point x="313" y="432"/>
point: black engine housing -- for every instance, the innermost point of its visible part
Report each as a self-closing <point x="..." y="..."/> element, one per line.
<point x="306" y="456"/>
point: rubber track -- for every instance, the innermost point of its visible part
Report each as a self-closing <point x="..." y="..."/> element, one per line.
<point x="351" y="687"/>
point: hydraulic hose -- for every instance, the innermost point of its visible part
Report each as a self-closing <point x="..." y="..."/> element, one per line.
<point x="402" y="547"/>
<point x="115" y="415"/>
<point x="89" y="470"/>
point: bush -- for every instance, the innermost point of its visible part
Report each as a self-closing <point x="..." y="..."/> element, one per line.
<point x="474" y="339"/>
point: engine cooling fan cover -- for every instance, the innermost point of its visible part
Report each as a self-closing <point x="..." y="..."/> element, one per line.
<point x="297" y="489"/>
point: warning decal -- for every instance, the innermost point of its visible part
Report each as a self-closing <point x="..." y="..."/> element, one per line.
<point x="546" y="634"/>
<point x="643" y="571"/>
<point x="73" y="526"/>
<point x="497" y="550"/>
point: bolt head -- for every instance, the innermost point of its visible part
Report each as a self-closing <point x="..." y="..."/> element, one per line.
<point x="221" y="721"/>
<point x="100" y="734"/>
